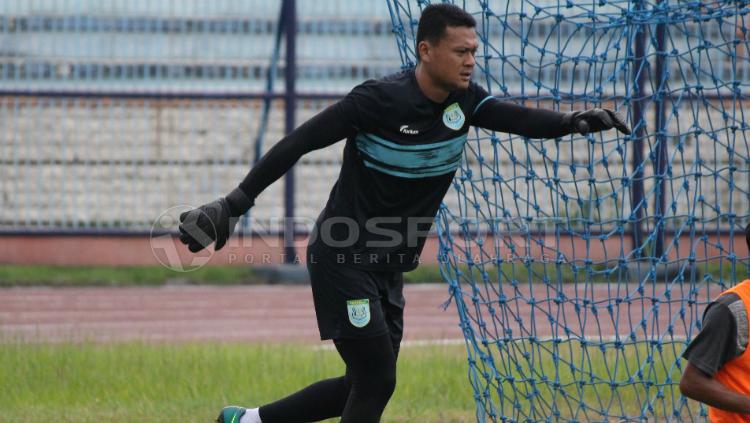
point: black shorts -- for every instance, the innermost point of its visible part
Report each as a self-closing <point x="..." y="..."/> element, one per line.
<point x="355" y="303"/>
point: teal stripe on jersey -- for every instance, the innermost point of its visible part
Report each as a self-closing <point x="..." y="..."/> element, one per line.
<point x="480" y="104"/>
<point x="393" y="145"/>
<point x="415" y="160"/>
<point x="406" y="174"/>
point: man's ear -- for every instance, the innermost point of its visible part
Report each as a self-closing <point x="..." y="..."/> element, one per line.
<point x="423" y="51"/>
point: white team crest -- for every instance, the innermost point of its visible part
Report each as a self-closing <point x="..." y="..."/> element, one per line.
<point x="453" y="117"/>
<point x="359" y="312"/>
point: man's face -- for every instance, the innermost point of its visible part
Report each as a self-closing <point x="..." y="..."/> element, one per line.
<point x="450" y="61"/>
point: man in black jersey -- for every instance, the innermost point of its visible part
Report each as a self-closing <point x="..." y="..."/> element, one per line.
<point x="405" y="134"/>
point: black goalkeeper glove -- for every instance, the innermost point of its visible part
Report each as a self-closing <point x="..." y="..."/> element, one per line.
<point x="214" y="221"/>
<point x="595" y="120"/>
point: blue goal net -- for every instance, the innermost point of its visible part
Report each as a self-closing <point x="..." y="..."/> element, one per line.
<point x="580" y="266"/>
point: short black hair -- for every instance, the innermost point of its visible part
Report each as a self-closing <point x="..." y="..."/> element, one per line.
<point x="436" y="17"/>
<point x="747" y="235"/>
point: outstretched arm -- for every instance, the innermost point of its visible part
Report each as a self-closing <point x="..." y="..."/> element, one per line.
<point x="215" y="221"/>
<point x="504" y="116"/>
<point x="699" y="386"/>
<point x="324" y="129"/>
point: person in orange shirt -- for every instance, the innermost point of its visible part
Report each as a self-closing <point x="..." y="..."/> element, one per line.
<point x="718" y="369"/>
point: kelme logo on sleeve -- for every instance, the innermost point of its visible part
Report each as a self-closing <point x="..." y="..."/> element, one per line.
<point x="359" y="312"/>
<point x="453" y="117"/>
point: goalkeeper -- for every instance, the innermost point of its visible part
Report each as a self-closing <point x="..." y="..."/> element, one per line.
<point x="405" y="135"/>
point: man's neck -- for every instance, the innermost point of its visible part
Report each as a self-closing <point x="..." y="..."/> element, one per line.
<point x="428" y="87"/>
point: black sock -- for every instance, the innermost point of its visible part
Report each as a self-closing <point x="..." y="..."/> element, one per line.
<point x="319" y="401"/>
<point x="371" y="366"/>
<point x="359" y="396"/>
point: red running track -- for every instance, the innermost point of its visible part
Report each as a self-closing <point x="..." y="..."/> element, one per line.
<point x="285" y="313"/>
<point x="195" y="313"/>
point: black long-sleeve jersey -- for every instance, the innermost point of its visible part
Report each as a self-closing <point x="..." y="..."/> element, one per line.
<point x="402" y="151"/>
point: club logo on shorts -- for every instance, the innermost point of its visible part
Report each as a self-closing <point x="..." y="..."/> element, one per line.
<point x="453" y="117"/>
<point x="359" y="312"/>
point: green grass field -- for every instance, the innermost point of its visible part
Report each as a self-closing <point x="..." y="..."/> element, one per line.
<point x="136" y="382"/>
<point x="616" y="381"/>
<point x="50" y="275"/>
<point x="47" y="275"/>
